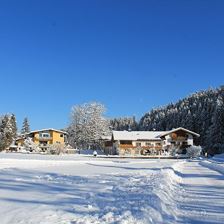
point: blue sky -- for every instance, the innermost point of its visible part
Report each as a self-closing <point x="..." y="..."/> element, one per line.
<point x="130" y="55"/>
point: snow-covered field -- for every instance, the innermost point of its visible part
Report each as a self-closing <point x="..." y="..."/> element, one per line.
<point x="78" y="189"/>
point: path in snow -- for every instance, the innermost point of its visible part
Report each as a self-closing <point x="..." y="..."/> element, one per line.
<point x="202" y="199"/>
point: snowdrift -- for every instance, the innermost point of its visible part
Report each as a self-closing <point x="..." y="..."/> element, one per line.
<point x="214" y="165"/>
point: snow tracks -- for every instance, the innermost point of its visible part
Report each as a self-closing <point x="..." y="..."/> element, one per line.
<point x="201" y="199"/>
<point x="134" y="192"/>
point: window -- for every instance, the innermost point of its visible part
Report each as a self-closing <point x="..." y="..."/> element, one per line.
<point x="126" y="142"/>
<point x="138" y="144"/>
<point x="44" y="135"/>
<point x="61" y="135"/>
<point x="148" y="144"/>
<point x="158" y="144"/>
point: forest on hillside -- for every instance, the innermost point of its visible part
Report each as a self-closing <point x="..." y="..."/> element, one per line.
<point x="201" y="112"/>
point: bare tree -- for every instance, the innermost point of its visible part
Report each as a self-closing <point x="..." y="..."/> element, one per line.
<point x="88" y="125"/>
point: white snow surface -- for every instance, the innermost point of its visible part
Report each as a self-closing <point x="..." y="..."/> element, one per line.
<point x="40" y="189"/>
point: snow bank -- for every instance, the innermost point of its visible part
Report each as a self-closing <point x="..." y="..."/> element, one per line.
<point x="168" y="189"/>
<point x="219" y="158"/>
<point x="215" y="163"/>
<point x="212" y="164"/>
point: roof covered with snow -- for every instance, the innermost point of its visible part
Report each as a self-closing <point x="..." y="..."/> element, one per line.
<point x="180" y="129"/>
<point x="106" y="137"/>
<point x="146" y="135"/>
<point x="48" y="129"/>
<point x="137" y="135"/>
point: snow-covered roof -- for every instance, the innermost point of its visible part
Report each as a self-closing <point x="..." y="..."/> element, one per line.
<point x="48" y="129"/>
<point x="146" y="135"/>
<point x="137" y="135"/>
<point x="180" y="129"/>
<point x="106" y="137"/>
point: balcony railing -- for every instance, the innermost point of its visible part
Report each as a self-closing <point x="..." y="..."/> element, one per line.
<point x="128" y="146"/>
<point x="44" y="138"/>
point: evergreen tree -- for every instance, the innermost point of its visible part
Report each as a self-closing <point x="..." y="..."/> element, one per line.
<point x="26" y="126"/>
<point x="125" y="123"/>
<point x="8" y="131"/>
<point x="14" y="126"/>
<point x="2" y="133"/>
<point x="215" y="136"/>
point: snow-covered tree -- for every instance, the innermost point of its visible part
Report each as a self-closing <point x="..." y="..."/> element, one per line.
<point x="88" y="125"/>
<point x="2" y="135"/>
<point x="173" y="151"/>
<point x="215" y="136"/>
<point x="13" y="126"/>
<point x="194" y="151"/>
<point x="8" y="130"/>
<point x="30" y="146"/>
<point x="124" y="123"/>
<point x="56" y="149"/>
<point x="26" y="126"/>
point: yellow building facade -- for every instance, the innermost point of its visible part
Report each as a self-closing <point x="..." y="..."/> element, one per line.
<point x="44" y="138"/>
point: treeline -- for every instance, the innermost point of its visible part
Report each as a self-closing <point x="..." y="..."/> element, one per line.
<point x="202" y="112"/>
<point x="124" y="123"/>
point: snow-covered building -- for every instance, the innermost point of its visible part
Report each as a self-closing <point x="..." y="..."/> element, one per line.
<point x="149" y="142"/>
<point x="44" y="138"/>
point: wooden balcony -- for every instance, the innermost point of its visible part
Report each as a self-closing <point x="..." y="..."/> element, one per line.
<point x="126" y="146"/>
<point x="129" y="146"/>
<point x="44" y="138"/>
<point x="151" y="147"/>
<point x="158" y="147"/>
